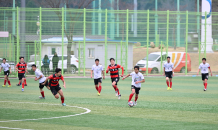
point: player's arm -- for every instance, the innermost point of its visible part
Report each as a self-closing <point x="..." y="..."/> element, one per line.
<point x="46" y="80"/>
<point x="91" y="73"/>
<point x="9" y="68"/>
<point x="103" y="74"/>
<point x="173" y="70"/>
<point x="125" y="76"/>
<point x="164" y="71"/>
<point x="142" y="81"/>
<point x="210" y="70"/>
<point x="107" y="70"/>
<point x="38" y="78"/>
<point x="26" y="69"/>
<point x="1" y="69"/>
<point x="119" y="66"/>
<point x="62" y="78"/>
<point x="199" y="70"/>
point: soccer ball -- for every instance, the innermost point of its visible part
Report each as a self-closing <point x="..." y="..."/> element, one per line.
<point x="131" y="104"/>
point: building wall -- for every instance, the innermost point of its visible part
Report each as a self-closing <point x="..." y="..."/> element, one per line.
<point x="99" y="52"/>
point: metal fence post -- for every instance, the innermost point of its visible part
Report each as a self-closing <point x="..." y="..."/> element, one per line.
<point x="84" y="42"/>
<point x="35" y="50"/>
<point x="186" y="41"/>
<point x="105" y="44"/>
<point x="40" y="37"/>
<point x="147" y="42"/>
<point x="167" y="33"/>
<point x="62" y="46"/>
<point x="18" y="36"/>
<point x="205" y="35"/>
<point x="161" y="63"/>
<point x="79" y="57"/>
<point x="127" y="40"/>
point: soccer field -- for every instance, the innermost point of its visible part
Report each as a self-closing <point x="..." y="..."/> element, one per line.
<point x="187" y="106"/>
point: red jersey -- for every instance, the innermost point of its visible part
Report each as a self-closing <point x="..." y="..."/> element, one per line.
<point x="22" y="67"/>
<point x="114" y="70"/>
<point x="54" y="80"/>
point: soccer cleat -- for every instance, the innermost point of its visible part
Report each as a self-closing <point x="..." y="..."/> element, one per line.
<point x="63" y="104"/>
<point x="9" y="86"/>
<point x="135" y="103"/>
<point x="25" y="85"/>
<point x="205" y="89"/>
<point x="99" y="94"/>
<point x="18" y="84"/>
<point x="22" y="90"/>
<point x="40" y="97"/>
<point x="119" y="96"/>
<point x="116" y="93"/>
<point x="168" y="88"/>
<point x="3" y="85"/>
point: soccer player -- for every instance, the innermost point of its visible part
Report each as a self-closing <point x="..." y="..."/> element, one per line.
<point x="137" y="79"/>
<point x="204" y="72"/>
<point x="114" y="72"/>
<point x="54" y="84"/>
<point x="21" y="67"/>
<point x="168" y="72"/>
<point x="41" y="78"/>
<point x="7" y="71"/>
<point x="97" y="70"/>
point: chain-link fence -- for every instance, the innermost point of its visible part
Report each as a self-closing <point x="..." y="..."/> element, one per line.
<point x="72" y="39"/>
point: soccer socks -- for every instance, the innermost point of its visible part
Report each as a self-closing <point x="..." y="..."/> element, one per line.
<point x="23" y="85"/>
<point x="42" y="93"/>
<point x="205" y="85"/>
<point x="99" y="89"/>
<point x="96" y="88"/>
<point x="130" y="97"/>
<point x="5" y="82"/>
<point x="9" y="82"/>
<point x="62" y="99"/>
<point x="167" y="83"/>
<point x="171" y="84"/>
<point x="24" y="81"/>
<point x="136" y="98"/>
<point x="116" y="89"/>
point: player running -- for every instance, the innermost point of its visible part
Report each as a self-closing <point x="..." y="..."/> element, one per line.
<point x="204" y="72"/>
<point x="7" y="71"/>
<point x="114" y="72"/>
<point x="168" y="72"/>
<point x="54" y="84"/>
<point x="137" y="79"/>
<point x="41" y="78"/>
<point x="21" y="67"/>
<point x="97" y="70"/>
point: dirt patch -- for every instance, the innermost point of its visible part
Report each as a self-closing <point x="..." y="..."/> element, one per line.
<point x="212" y="58"/>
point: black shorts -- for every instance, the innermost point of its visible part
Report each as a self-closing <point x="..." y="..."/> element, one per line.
<point x="204" y="76"/>
<point x="115" y="79"/>
<point x="21" y="75"/>
<point x="136" y="89"/>
<point x="169" y="74"/>
<point x="55" y="89"/>
<point x="7" y="73"/>
<point x="96" y="81"/>
<point x="42" y="86"/>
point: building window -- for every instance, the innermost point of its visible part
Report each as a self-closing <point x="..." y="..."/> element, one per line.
<point x="81" y="52"/>
<point x="91" y="53"/>
<point x="53" y="50"/>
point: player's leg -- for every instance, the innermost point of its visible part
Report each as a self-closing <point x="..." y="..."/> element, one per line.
<point x="23" y="84"/>
<point x="99" y="88"/>
<point x="96" y="84"/>
<point x="41" y="91"/>
<point x="62" y="97"/>
<point x="136" y="95"/>
<point x="132" y="94"/>
<point x="9" y="82"/>
<point x="167" y="82"/>
<point x="25" y="80"/>
<point x="5" y="80"/>
<point x="205" y="84"/>
<point x="171" y="83"/>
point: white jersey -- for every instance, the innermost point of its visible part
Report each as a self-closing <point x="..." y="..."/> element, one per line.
<point x="38" y="73"/>
<point x="204" y="68"/>
<point x="97" y="71"/>
<point x="135" y="78"/>
<point x="168" y="67"/>
<point x="5" y="66"/>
